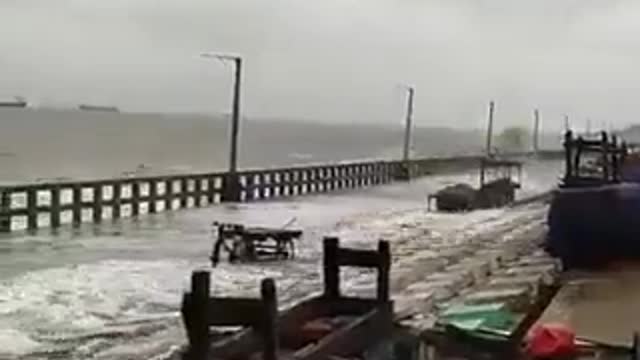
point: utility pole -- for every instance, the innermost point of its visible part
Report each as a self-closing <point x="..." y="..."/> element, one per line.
<point x="231" y="191"/>
<point x="490" y="128"/>
<point x="408" y="124"/>
<point x="566" y="123"/>
<point x="536" y="129"/>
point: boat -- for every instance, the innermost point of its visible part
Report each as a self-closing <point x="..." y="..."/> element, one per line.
<point x="593" y="218"/>
<point x="15" y="102"/>
<point x="322" y="327"/>
<point x="101" y="108"/>
<point x="497" y="188"/>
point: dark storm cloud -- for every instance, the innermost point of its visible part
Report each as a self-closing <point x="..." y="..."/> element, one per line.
<point x="333" y="60"/>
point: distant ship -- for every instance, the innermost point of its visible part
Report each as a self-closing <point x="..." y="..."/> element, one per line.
<point x="85" y="107"/>
<point x="15" y="102"/>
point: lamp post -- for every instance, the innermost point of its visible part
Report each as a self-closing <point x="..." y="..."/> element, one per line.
<point x="490" y="128"/>
<point x="404" y="171"/>
<point x="536" y="130"/>
<point x="408" y="124"/>
<point x="231" y="189"/>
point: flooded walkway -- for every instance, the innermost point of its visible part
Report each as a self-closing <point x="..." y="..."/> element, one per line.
<point x="113" y="292"/>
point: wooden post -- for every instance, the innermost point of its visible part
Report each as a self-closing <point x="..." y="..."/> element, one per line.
<point x="331" y="268"/>
<point x="5" y="207"/>
<point x="116" y="197"/>
<point x="153" y="195"/>
<point x="97" y="203"/>
<point x="270" y="324"/>
<point x="135" y="198"/>
<point x="200" y="287"/>
<point x="76" y="211"/>
<point x="32" y="209"/>
<point x="383" y="271"/>
<point x="54" y="214"/>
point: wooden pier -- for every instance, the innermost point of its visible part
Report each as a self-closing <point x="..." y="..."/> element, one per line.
<point x="52" y="204"/>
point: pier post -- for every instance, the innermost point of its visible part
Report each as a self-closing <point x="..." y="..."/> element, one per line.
<point x="97" y="203"/>
<point x="383" y="272"/>
<point x="200" y="288"/>
<point x="116" y="197"/>
<point x="331" y="268"/>
<point x="32" y="209"/>
<point x="54" y="215"/>
<point x="135" y="198"/>
<point x="153" y="195"/>
<point x="231" y="187"/>
<point x="270" y="321"/>
<point x="5" y="207"/>
<point x="76" y="211"/>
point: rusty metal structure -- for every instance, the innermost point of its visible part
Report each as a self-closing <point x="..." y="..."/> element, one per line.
<point x="593" y="161"/>
<point x="499" y="180"/>
<point x="326" y="326"/>
<point x="254" y="243"/>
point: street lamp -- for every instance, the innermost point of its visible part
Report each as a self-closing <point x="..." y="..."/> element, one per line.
<point x="490" y="128"/>
<point x="407" y="131"/>
<point x="231" y="190"/>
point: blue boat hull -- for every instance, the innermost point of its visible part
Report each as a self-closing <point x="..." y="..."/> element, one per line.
<point x="590" y="227"/>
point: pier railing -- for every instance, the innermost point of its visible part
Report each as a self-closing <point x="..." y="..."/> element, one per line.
<point x="53" y="204"/>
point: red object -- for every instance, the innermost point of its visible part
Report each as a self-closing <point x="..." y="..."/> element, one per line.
<point x="551" y="340"/>
<point x="316" y="329"/>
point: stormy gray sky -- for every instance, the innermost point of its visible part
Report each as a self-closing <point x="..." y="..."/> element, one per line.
<point x="332" y="60"/>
